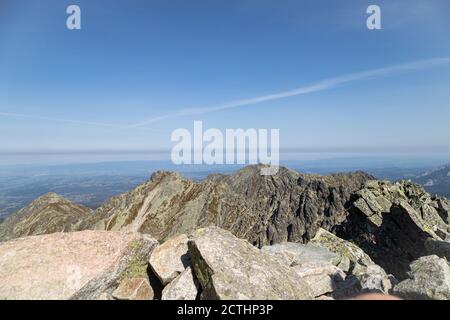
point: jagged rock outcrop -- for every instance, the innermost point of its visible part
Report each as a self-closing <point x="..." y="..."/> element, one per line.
<point x="231" y="268"/>
<point x="314" y="264"/>
<point x="347" y="252"/>
<point x="429" y="280"/>
<point x="288" y="206"/>
<point x="363" y="275"/>
<point x="392" y="221"/>
<point x="332" y="266"/>
<point x="76" y="265"/>
<point x="47" y="214"/>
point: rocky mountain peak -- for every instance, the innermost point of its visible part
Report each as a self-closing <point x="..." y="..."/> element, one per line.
<point x="161" y="175"/>
<point x="48" y="213"/>
<point x="49" y="198"/>
<point x="288" y="206"/>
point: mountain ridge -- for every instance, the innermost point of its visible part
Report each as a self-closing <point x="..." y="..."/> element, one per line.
<point x="436" y="181"/>
<point x="47" y="214"/>
<point x="262" y="209"/>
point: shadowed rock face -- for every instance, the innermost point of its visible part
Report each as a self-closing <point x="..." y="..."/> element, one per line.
<point x="47" y="214"/>
<point x="288" y="206"/>
<point x="392" y="221"/>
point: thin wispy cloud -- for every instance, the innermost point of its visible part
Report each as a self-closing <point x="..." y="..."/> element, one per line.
<point x="326" y="84"/>
<point x="79" y="122"/>
<point x="34" y="117"/>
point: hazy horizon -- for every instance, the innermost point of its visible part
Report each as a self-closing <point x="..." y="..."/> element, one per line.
<point x="346" y="159"/>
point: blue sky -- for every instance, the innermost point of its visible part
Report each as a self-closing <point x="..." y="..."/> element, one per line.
<point x="141" y="62"/>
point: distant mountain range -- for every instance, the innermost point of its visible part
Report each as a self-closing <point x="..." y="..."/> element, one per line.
<point x="91" y="184"/>
<point x="265" y="210"/>
<point x="436" y="181"/>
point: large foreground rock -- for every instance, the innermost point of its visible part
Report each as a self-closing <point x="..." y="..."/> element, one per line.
<point x="79" y="265"/>
<point x="430" y="279"/>
<point x="231" y="268"/>
<point x="170" y="259"/>
<point x="314" y="264"/>
<point x="343" y="249"/>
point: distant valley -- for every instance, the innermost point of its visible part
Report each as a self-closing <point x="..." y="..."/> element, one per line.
<point x="92" y="184"/>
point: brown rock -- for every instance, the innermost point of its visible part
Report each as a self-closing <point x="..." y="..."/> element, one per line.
<point x="134" y="289"/>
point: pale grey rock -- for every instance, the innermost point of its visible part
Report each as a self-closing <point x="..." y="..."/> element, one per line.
<point x="375" y="279"/>
<point x="344" y="264"/>
<point x="291" y="254"/>
<point x="170" y="258"/>
<point x="231" y="268"/>
<point x="344" y="249"/>
<point x="322" y="276"/>
<point x="183" y="287"/>
<point x="430" y="280"/>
